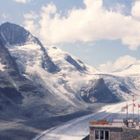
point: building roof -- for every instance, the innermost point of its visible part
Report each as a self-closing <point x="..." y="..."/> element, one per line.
<point x="113" y="124"/>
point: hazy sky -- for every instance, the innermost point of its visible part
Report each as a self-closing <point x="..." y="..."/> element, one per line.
<point x="97" y="31"/>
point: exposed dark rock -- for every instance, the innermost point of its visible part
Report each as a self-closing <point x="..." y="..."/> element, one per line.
<point x="14" y="34"/>
<point x="78" y="67"/>
<point x="98" y="92"/>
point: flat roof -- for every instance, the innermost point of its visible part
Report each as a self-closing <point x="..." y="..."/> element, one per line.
<point x="108" y="126"/>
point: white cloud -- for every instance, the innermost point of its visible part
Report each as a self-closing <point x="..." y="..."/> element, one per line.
<point x="30" y="22"/>
<point x="88" y="24"/>
<point x="4" y="17"/>
<point x="136" y="10"/>
<point x="120" y="64"/>
<point x="22" y="1"/>
<point x="121" y="8"/>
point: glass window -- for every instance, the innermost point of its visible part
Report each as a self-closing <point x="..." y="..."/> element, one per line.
<point x="106" y="135"/>
<point x="97" y="135"/>
<point x="101" y="135"/>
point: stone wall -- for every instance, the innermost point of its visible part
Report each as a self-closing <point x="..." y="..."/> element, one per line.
<point x="115" y="133"/>
<point x="118" y="133"/>
<point x="130" y="134"/>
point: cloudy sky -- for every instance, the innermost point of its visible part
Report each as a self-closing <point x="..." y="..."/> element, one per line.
<point x="97" y="31"/>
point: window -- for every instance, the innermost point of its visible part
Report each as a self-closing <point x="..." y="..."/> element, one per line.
<point x="97" y="134"/>
<point x="101" y="135"/>
<point x="106" y="135"/>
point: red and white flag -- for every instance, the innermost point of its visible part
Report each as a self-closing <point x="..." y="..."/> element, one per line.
<point x="124" y="108"/>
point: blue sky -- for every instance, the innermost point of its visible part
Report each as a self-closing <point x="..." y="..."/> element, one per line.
<point x="93" y="52"/>
<point x="15" y="11"/>
<point x="101" y="51"/>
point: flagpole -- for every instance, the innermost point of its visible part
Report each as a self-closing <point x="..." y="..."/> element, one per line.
<point x="133" y="107"/>
<point x="138" y="113"/>
<point x="127" y="111"/>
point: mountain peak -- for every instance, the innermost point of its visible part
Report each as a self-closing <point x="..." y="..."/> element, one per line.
<point x="15" y="34"/>
<point x="7" y="23"/>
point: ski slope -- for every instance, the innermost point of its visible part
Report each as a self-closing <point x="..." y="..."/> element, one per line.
<point x="78" y="128"/>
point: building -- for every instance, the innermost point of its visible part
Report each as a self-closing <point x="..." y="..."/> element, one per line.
<point x="127" y="129"/>
<point x="116" y="130"/>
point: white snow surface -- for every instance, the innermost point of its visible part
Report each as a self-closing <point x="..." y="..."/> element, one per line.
<point x="28" y="55"/>
<point x="64" y="83"/>
<point x="133" y="69"/>
<point x="2" y="66"/>
<point x="79" y="128"/>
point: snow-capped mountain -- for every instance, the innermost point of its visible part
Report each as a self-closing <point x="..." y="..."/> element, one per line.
<point x="14" y="35"/>
<point x="132" y="69"/>
<point x="18" y="90"/>
<point x="65" y="76"/>
<point x="37" y="82"/>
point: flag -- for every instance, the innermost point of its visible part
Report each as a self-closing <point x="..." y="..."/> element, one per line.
<point x="124" y="108"/>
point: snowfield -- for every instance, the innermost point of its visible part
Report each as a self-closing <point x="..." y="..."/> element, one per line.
<point x="1" y="66"/>
<point x="73" y="76"/>
<point x="78" y="128"/>
<point x="63" y="84"/>
<point x="133" y="69"/>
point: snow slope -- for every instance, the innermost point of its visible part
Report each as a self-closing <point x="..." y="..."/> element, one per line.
<point x="63" y="83"/>
<point x="75" y="82"/>
<point x="1" y="67"/>
<point x="65" y="76"/>
<point x="78" y="128"/>
<point x="133" y="69"/>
